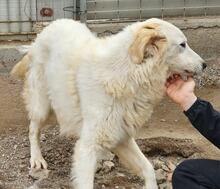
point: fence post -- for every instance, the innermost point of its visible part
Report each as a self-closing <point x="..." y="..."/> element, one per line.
<point x="83" y="10"/>
<point x="36" y="4"/>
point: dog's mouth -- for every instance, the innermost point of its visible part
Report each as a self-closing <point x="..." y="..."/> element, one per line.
<point x="189" y="73"/>
<point x="183" y="75"/>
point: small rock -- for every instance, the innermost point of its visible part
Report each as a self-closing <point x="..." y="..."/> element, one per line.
<point x="98" y="167"/>
<point x="165" y="185"/>
<point x="43" y="137"/>
<point x="120" y="175"/>
<point x="108" y="166"/>
<point x="2" y="185"/>
<point x="217" y="83"/>
<point x="108" y="156"/>
<point x="23" y="157"/>
<point x="22" y="167"/>
<point x="157" y="164"/>
<point x="33" y="187"/>
<point x="39" y="174"/>
<point x="160" y="175"/>
<point x="163" y="120"/>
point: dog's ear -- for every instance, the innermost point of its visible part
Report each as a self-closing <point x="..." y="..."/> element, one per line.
<point x="148" y="42"/>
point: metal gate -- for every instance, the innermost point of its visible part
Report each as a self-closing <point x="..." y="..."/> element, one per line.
<point x="18" y="16"/>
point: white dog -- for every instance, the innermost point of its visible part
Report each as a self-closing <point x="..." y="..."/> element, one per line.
<point x="101" y="89"/>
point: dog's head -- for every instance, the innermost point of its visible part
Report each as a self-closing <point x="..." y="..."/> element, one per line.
<point x="156" y="38"/>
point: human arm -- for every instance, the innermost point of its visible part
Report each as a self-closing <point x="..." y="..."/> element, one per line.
<point x="201" y="113"/>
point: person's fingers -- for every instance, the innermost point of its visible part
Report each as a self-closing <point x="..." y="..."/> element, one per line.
<point x="178" y="83"/>
<point x="167" y="84"/>
<point x="169" y="79"/>
<point x="171" y="89"/>
<point x="177" y="76"/>
<point x="171" y="83"/>
<point x="172" y="79"/>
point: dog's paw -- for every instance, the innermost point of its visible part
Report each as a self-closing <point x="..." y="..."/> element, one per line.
<point x="38" y="163"/>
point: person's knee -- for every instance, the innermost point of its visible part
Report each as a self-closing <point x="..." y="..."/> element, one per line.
<point x="186" y="167"/>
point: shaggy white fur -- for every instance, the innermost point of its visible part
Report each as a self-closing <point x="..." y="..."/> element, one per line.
<point x="101" y="89"/>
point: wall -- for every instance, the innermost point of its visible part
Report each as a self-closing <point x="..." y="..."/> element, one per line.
<point x="18" y="16"/>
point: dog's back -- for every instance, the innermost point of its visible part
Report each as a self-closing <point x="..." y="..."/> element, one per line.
<point x="52" y="63"/>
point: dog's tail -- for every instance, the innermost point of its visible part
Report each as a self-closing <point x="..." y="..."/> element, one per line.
<point x="21" y="68"/>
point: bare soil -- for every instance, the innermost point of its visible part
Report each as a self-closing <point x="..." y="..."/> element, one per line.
<point x="167" y="137"/>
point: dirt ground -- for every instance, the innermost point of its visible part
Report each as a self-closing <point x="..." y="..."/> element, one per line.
<point x="167" y="137"/>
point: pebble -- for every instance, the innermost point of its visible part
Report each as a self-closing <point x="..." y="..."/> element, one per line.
<point x="108" y="156"/>
<point x="23" y="157"/>
<point x="120" y="175"/>
<point x="161" y="176"/>
<point x="165" y="185"/>
<point x="108" y="166"/>
<point x="39" y="174"/>
<point x="2" y="185"/>
<point x="22" y="167"/>
<point x="157" y="164"/>
<point x="43" y="137"/>
<point x="217" y="83"/>
<point x="33" y="187"/>
<point x="163" y="120"/>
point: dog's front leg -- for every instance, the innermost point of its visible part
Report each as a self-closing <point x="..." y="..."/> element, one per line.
<point x="132" y="157"/>
<point x="84" y="165"/>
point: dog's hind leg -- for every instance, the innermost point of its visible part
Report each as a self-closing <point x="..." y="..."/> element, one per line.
<point x="131" y="156"/>
<point x="38" y="107"/>
<point x="37" y="161"/>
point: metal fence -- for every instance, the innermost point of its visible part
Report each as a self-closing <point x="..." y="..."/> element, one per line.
<point x="120" y="10"/>
<point x="19" y="16"/>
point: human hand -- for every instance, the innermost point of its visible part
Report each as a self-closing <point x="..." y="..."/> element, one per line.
<point x="181" y="92"/>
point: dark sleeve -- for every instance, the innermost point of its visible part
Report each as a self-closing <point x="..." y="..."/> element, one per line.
<point x="206" y="120"/>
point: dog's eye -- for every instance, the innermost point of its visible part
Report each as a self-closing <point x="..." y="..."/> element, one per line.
<point x="183" y="44"/>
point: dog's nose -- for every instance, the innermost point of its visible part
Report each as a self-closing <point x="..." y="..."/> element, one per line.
<point x="204" y="65"/>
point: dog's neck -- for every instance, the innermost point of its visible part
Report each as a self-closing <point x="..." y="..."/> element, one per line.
<point x="123" y="78"/>
<point x="136" y="87"/>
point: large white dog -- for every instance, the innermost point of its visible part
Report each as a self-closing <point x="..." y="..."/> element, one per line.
<point x="102" y="90"/>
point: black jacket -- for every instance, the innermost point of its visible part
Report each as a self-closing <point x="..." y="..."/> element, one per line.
<point x="206" y="120"/>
